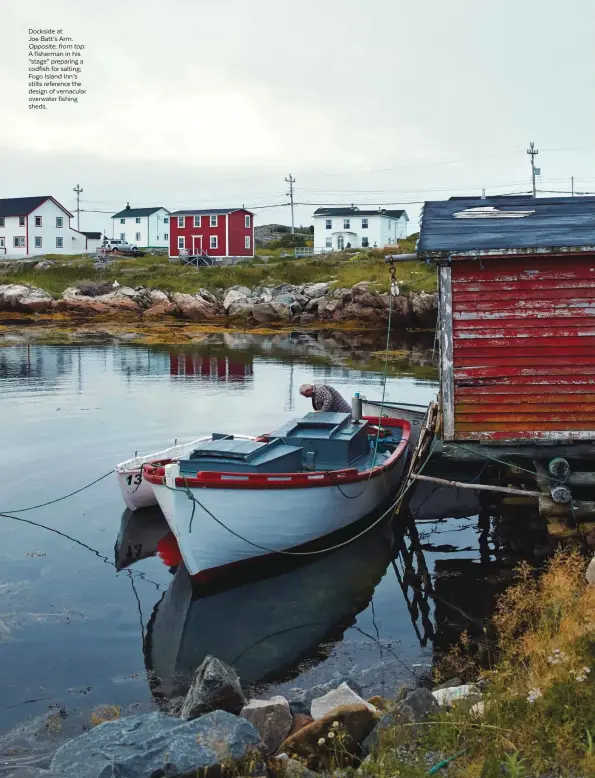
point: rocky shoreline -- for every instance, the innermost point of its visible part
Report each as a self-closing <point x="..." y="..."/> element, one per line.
<point x="285" y="304"/>
<point x="214" y="730"/>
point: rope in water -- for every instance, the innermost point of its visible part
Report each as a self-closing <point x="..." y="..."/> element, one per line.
<point x="59" y="499"/>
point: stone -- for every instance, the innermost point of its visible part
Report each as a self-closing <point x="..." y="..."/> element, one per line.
<point x="240" y="309"/>
<point x="411" y="710"/>
<point x="302" y="698"/>
<point x="307" y="318"/>
<point x="241" y="289"/>
<point x="272" y="718"/>
<point x="369" y="300"/>
<point x="331" y="306"/>
<point x="365" y="314"/>
<point x="233" y="296"/>
<point x="265" y="296"/>
<point x="354" y="724"/>
<point x="424" y="306"/>
<point x="316" y="290"/>
<point x="22" y="297"/>
<point x="455" y="694"/>
<point x="215" y="686"/>
<point x="314" y="304"/>
<point x="166" y="308"/>
<point x="194" y="307"/>
<point x="300" y="720"/>
<point x="44" y="265"/>
<point x="295" y="308"/>
<point x="158" y="297"/>
<point x="296" y="769"/>
<point x="143" y="745"/>
<point x="342" y="695"/>
<point x="378" y="702"/>
<point x="264" y="312"/>
<point x="282" y="309"/>
<point x="360" y="288"/>
<point x="590" y="574"/>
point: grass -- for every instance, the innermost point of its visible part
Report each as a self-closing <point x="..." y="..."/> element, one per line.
<point x="540" y="693"/>
<point x="158" y="273"/>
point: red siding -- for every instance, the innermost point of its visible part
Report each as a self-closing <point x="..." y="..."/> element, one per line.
<point x="524" y="348"/>
<point x="236" y="229"/>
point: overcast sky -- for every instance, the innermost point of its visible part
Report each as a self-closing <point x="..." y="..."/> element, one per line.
<point x="196" y="104"/>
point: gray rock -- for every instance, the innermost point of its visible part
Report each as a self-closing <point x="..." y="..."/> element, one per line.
<point x="264" y="312"/>
<point x="296" y="769"/>
<point x="307" y="318"/>
<point x="413" y="709"/>
<point x="284" y="298"/>
<point x="317" y="290"/>
<point x="301" y="700"/>
<point x="241" y="309"/>
<point x="138" y="746"/>
<point x="30" y="772"/>
<point x="342" y="695"/>
<point x="295" y="308"/>
<point x="215" y="686"/>
<point x="237" y="288"/>
<point x="283" y="310"/>
<point x="590" y="574"/>
<point x="272" y="718"/>
<point x="233" y="296"/>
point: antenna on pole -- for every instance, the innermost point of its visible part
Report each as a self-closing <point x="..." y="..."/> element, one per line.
<point x="78" y="191"/>
<point x="572" y="186"/>
<point x="291" y="182"/>
<point x="532" y="151"/>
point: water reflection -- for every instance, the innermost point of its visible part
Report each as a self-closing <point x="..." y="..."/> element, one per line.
<point x="35" y="362"/>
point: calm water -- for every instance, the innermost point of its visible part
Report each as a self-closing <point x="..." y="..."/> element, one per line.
<point x="75" y="632"/>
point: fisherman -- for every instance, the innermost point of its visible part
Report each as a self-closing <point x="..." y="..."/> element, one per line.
<point x="325" y="398"/>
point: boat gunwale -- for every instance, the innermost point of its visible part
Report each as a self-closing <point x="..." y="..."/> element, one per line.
<point x="155" y="473"/>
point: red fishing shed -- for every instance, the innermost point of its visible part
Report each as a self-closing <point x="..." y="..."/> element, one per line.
<point x="517" y="326"/>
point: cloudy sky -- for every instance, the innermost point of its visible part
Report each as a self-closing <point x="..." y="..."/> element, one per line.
<point x="196" y="104"/>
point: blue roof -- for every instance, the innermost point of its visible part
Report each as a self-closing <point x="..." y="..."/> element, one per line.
<point x="474" y="225"/>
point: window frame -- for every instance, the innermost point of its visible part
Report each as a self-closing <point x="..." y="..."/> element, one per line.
<point x="215" y="223"/>
<point x="137" y="219"/>
<point x="346" y="224"/>
<point x="166" y="236"/>
<point x="166" y="219"/>
<point x="247" y="221"/>
<point x="367" y="223"/>
<point x="38" y="242"/>
<point x="181" y="221"/>
<point x="18" y="242"/>
<point x="247" y="242"/>
<point x="123" y="236"/>
<point x="2" y="221"/>
<point x="328" y="224"/>
<point x="60" y="219"/>
<point x="365" y="242"/>
<point x="2" y="242"/>
<point x="38" y="221"/>
<point x="22" y="220"/>
<point x="181" y="242"/>
<point x="329" y="242"/>
<point x="59" y="241"/>
<point x="214" y="238"/>
<point x="138" y="236"/>
<point x="197" y="220"/>
<point x="122" y="221"/>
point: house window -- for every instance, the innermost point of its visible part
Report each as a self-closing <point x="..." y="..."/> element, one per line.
<point x="2" y="243"/>
<point x="38" y="221"/>
<point x="329" y="224"/>
<point x="181" y="242"/>
<point x="122" y="221"/>
<point x="2" y="224"/>
<point x="181" y="222"/>
<point x="122" y="236"/>
<point x="138" y="219"/>
<point x="247" y="223"/>
<point x="214" y="220"/>
<point x="38" y="243"/>
<point x="247" y="242"/>
<point x="59" y="221"/>
<point x="197" y="221"/>
<point x="166" y="236"/>
<point x="365" y="243"/>
<point x="364" y="224"/>
<point x="329" y="243"/>
<point x="21" y="221"/>
<point x="214" y="241"/>
<point x="59" y="243"/>
<point x="137" y="236"/>
<point x="166" y="220"/>
<point x="19" y="243"/>
<point x="346" y="224"/>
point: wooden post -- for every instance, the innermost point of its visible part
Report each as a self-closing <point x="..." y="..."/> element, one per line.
<point x="479" y="487"/>
<point x="447" y="381"/>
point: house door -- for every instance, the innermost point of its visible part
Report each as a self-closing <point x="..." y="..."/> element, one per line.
<point x="197" y="244"/>
<point x="340" y="242"/>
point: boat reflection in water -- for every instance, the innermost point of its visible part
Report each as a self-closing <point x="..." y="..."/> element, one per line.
<point x="264" y="628"/>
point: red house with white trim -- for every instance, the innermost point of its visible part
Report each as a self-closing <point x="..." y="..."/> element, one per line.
<point x="216" y="232"/>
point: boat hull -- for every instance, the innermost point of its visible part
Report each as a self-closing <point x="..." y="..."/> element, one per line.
<point x="219" y="527"/>
<point x="414" y="414"/>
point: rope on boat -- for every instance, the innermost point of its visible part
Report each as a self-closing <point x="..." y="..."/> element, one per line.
<point x="398" y="499"/>
<point x="59" y="499"/>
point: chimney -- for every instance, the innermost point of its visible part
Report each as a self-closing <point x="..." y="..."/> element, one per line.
<point x="127" y="206"/>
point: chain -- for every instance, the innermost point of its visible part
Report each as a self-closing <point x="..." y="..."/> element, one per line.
<point x="394" y="287"/>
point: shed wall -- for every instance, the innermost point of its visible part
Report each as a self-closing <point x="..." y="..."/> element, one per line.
<point x="523" y="336"/>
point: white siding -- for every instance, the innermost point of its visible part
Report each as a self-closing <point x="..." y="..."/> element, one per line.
<point x="46" y="234"/>
<point x="381" y="231"/>
<point x="152" y="229"/>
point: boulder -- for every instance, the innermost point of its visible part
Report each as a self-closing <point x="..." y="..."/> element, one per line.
<point x="241" y="289"/>
<point x="166" y="308"/>
<point x="456" y="694"/>
<point x="240" y="309"/>
<point x="272" y="718"/>
<point x="45" y="264"/>
<point x="316" y="290"/>
<point x="307" y="318"/>
<point x="342" y="695"/>
<point x="360" y="288"/>
<point x="369" y="300"/>
<point x="157" y="297"/>
<point x="300" y="720"/>
<point x="333" y="740"/>
<point x="295" y="769"/>
<point x="412" y="709"/>
<point x="424" y="306"/>
<point x="264" y="312"/>
<point x="156" y="744"/>
<point x="284" y="298"/>
<point x="301" y="700"/>
<point x="265" y="296"/>
<point x="22" y="297"/>
<point x="295" y="308"/>
<point x="233" y="296"/>
<point x="283" y="310"/>
<point x="330" y="307"/>
<point x="590" y="574"/>
<point x="194" y="307"/>
<point x="215" y="687"/>
<point x="314" y="304"/>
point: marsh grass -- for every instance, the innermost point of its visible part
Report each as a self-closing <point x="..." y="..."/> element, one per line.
<point x="158" y="273"/>
<point x="539" y="698"/>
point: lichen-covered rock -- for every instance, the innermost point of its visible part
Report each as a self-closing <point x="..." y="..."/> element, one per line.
<point x="316" y="290"/>
<point x="240" y="309"/>
<point x="342" y="695"/>
<point x="282" y="309"/>
<point x="233" y="296"/>
<point x="272" y="718"/>
<point x="22" y="297"/>
<point x="424" y="306"/>
<point x="156" y="744"/>
<point x="165" y="308"/>
<point x="194" y="307"/>
<point x="215" y="686"/>
<point x="264" y="312"/>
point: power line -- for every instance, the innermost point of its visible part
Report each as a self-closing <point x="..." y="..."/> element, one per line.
<point x="532" y="151"/>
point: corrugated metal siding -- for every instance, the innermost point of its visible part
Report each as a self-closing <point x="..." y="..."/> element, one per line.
<point x="524" y="348"/>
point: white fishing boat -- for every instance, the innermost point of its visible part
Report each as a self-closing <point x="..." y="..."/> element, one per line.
<point x="234" y="500"/>
<point x="414" y="413"/>
<point x="138" y="493"/>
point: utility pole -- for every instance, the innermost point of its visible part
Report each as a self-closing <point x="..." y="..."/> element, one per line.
<point x="572" y="186"/>
<point x="291" y="182"/>
<point x="78" y="191"/>
<point x="533" y="151"/>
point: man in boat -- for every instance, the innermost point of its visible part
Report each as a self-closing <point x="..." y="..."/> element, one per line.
<point x="325" y="398"/>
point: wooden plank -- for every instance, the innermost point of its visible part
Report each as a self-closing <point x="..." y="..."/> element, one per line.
<point x="495" y="310"/>
<point x="580" y="479"/>
<point x="487" y="348"/>
<point x="519" y="296"/>
<point x="477" y="487"/>
<point x="491" y="417"/>
<point x="521" y="427"/>
<point x="463" y="361"/>
<point x="513" y="330"/>
<point x="526" y="394"/>
<point x="543" y="383"/>
<point x="502" y="372"/>
<point x="463" y="291"/>
<point x="582" y="509"/>
<point x="446" y="352"/>
<point x="525" y="407"/>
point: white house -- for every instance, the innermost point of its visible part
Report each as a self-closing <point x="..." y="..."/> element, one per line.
<point x="30" y="226"/>
<point x="146" y="227"/>
<point x="338" y="228"/>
